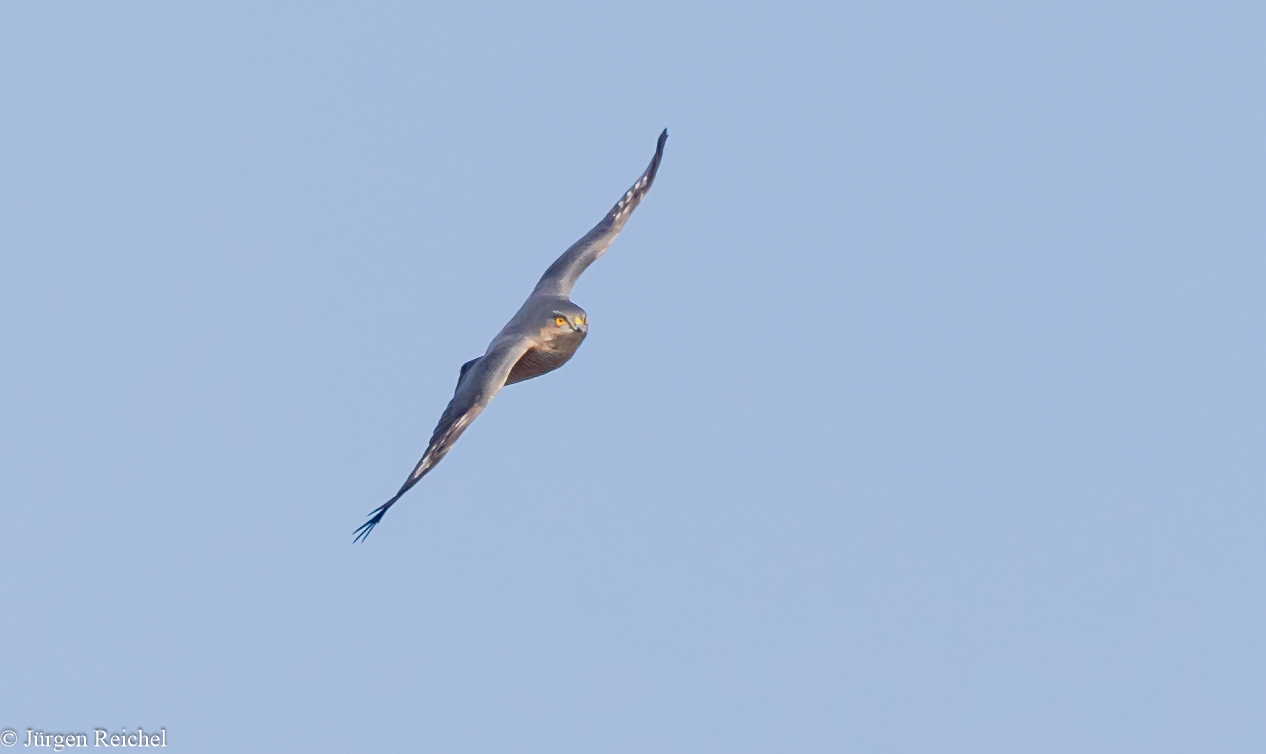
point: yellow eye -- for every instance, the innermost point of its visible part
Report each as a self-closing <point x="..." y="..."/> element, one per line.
<point x="560" y="321"/>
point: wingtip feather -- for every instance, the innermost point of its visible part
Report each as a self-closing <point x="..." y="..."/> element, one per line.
<point x="653" y="168"/>
<point x="376" y="514"/>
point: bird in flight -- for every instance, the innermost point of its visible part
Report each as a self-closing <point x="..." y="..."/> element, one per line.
<point x="540" y="338"/>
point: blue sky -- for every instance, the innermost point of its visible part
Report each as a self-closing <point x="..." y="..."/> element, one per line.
<point x="921" y="408"/>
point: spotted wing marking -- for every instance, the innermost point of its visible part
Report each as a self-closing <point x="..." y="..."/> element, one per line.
<point x="562" y="274"/>
<point x="469" y="399"/>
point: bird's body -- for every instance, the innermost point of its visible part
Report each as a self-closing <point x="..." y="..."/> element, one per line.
<point x="541" y="337"/>
<point x="552" y="346"/>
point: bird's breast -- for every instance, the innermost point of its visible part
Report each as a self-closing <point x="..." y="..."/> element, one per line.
<point x="546" y="356"/>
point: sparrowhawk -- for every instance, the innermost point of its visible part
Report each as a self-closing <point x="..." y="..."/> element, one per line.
<point x="540" y="338"/>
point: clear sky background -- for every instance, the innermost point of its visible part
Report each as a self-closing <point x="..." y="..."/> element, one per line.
<point x="922" y="407"/>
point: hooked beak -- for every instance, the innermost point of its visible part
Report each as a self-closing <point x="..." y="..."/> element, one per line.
<point x="580" y="328"/>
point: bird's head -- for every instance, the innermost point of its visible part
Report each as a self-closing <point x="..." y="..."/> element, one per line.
<point x="567" y="319"/>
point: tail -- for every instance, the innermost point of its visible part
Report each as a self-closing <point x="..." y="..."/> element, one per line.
<point x="377" y="513"/>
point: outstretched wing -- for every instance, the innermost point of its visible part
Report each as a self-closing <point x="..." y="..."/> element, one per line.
<point x="562" y="274"/>
<point x="478" y="384"/>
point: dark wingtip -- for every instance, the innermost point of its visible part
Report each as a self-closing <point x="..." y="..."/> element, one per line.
<point x="653" y="168"/>
<point x="364" y="529"/>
